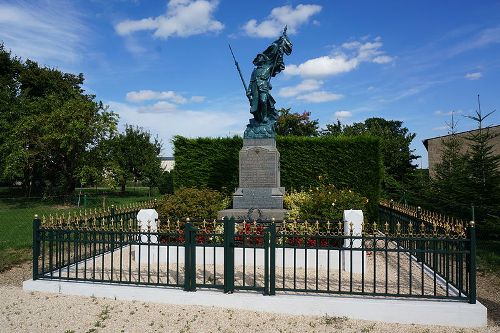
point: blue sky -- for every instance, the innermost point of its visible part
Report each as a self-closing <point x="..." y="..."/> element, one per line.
<point x="165" y="65"/>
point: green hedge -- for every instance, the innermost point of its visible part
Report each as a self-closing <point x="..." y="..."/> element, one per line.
<point x="206" y="162"/>
<point x="347" y="162"/>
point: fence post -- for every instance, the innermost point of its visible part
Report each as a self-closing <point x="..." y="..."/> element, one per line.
<point x="391" y="214"/>
<point x="113" y="223"/>
<point x="189" y="257"/>
<point x="36" y="245"/>
<point x="272" y="258"/>
<point x="229" y="255"/>
<point x="420" y="243"/>
<point x="266" y="262"/>
<point x="472" y="263"/>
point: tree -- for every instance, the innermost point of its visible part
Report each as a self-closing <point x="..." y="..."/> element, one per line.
<point x="166" y="184"/>
<point x="395" y="142"/>
<point x="469" y="174"/>
<point x="49" y="126"/>
<point x="449" y="182"/>
<point x="483" y="169"/>
<point x="296" y="124"/>
<point x="10" y="70"/>
<point x="333" y="129"/>
<point x="136" y="155"/>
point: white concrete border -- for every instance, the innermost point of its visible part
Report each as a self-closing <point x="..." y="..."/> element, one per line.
<point x="404" y="311"/>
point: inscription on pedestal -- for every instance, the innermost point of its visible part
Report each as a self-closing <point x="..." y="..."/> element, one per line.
<point x="259" y="167"/>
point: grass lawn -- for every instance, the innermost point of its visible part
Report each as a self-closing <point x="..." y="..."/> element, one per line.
<point x="488" y="255"/>
<point x="16" y="216"/>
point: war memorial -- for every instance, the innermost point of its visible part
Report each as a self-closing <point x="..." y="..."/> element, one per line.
<point x="408" y="267"/>
<point x="259" y="160"/>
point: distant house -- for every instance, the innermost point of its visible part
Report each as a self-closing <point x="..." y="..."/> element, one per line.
<point x="167" y="163"/>
<point x="435" y="147"/>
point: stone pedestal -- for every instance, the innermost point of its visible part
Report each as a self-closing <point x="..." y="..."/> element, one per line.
<point x="259" y="194"/>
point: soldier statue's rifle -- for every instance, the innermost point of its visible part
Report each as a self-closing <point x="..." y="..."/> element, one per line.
<point x="239" y="71"/>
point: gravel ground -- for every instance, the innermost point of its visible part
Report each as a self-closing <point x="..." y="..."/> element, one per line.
<point x="40" y="312"/>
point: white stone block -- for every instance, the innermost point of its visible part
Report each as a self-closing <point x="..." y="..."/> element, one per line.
<point x="353" y="260"/>
<point x="404" y="311"/>
<point x="147" y="217"/>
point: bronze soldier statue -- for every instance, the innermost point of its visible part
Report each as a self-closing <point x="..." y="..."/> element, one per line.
<point x="267" y="65"/>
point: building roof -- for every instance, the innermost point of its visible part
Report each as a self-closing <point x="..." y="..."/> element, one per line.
<point x="426" y="141"/>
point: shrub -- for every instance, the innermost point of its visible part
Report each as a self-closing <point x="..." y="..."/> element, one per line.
<point x="193" y="203"/>
<point x="324" y="202"/>
<point x="292" y="201"/>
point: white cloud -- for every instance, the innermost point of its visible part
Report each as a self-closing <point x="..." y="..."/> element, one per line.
<point x="351" y="45"/>
<point x="175" y="121"/>
<point x="306" y="85"/>
<point x="343" y="114"/>
<point x="320" y="97"/>
<point x="309" y="90"/>
<point x="447" y="113"/>
<point x="473" y="76"/>
<point x="197" y="99"/>
<point x="483" y="38"/>
<point x="134" y="46"/>
<point x="369" y="50"/>
<point x="46" y="31"/>
<point x="147" y="95"/>
<point x="382" y="59"/>
<point x="279" y="17"/>
<point x="158" y="107"/>
<point x="183" y="18"/>
<point x="344" y="59"/>
<point x="323" y="66"/>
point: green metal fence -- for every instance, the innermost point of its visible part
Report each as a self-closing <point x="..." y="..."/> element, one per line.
<point x="269" y="257"/>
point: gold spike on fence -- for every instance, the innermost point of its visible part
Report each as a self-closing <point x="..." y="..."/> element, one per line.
<point x="422" y="229"/>
<point x="282" y="229"/>
<point x="438" y="222"/>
